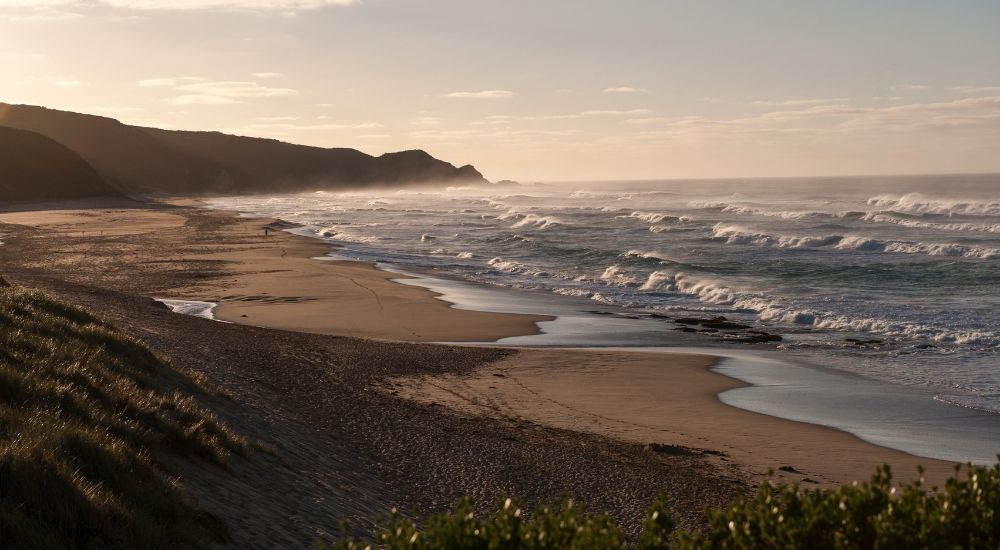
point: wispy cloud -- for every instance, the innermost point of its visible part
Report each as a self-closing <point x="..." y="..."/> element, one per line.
<point x="268" y="75"/>
<point x="176" y="5"/>
<point x="108" y="110"/>
<point x="288" y="128"/>
<point x="484" y="94"/>
<point x="21" y="57"/>
<point x="796" y="102"/>
<point x="589" y="113"/>
<point x="235" y="89"/>
<point x="225" y="93"/>
<point x="615" y="112"/>
<point x="972" y="114"/>
<point x="624" y="90"/>
<point x="201" y="99"/>
<point x="167" y="82"/>
<point x="426" y="121"/>
<point x="976" y="89"/>
<point x="646" y="120"/>
<point x="911" y="87"/>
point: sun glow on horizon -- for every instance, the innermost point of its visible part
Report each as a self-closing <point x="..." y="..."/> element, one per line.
<point x="629" y="91"/>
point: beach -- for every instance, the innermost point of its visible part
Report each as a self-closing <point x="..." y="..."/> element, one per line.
<point x="325" y="362"/>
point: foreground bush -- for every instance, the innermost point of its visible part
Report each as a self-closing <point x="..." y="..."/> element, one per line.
<point x="874" y="514"/>
<point x="83" y="411"/>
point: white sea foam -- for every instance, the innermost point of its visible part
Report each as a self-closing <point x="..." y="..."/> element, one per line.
<point x="883" y="217"/>
<point x="340" y="234"/>
<point x="655" y="217"/>
<point x="772" y="309"/>
<point x="616" y="276"/>
<point x="916" y="203"/>
<point x="511" y="266"/>
<point x="464" y="255"/>
<point x="194" y="308"/>
<point x="538" y="222"/>
<point x="736" y="234"/>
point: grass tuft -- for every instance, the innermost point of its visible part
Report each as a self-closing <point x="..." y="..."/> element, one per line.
<point x="84" y="409"/>
<point x="875" y="514"/>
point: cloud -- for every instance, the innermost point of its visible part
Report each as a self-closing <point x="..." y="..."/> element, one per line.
<point x="553" y="117"/>
<point x="613" y="112"/>
<point x="234" y="89"/>
<point x="268" y="75"/>
<point x="69" y="83"/>
<point x="284" y="128"/>
<point x="823" y="121"/>
<point x="201" y="99"/>
<point x="484" y="94"/>
<point x="976" y="89"/>
<point x="225" y="93"/>
<point x="797" y="102"/>
<point x="44" y="10"/>
<point x="116" y="110"/>
<point x="427" y="121"/>
<point x="278" y="6"/>
<point x="167" y="82"/>
<point x="646" y="120"/>
<point x="589" y="113"/>
<point x="911" y="87"/>
<point x="19" y="57"/>
<point x="624" y="90"/>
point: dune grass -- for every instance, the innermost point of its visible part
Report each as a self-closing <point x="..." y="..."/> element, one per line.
<point x="84" y="412"/>
<point x="871" y="515"/>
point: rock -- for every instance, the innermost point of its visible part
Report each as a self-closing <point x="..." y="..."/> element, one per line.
<point x="674" y="450"/>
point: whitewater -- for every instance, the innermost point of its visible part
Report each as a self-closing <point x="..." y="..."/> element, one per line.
<point x="894" y="278"/>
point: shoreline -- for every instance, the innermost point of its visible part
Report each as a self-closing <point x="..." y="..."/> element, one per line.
<point x="265" y="278"/>
<point x="292" y="286"/>
<point x="667" y="402"/>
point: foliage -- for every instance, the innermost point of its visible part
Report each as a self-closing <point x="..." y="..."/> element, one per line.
<point x="874" y="514"/>
<point x="84" y="409"/>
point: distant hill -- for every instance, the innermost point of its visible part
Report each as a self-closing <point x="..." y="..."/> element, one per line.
<point x="138" y="159"/>
<point x="36" y="168"/>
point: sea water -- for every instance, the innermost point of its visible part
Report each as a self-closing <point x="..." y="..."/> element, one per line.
<point x="892" y="278"/>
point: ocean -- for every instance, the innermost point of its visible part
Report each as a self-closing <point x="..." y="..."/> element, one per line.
<point x="896" y="279"/>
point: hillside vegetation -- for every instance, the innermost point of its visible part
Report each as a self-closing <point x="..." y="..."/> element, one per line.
<point x="85" y="411"/>
<point x="875" y="514"/>
<point x="140" y="160"/>
<point x="36" y="168"/>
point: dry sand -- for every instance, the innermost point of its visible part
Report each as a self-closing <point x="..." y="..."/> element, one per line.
<point x="273" y="281"/>
<point x="664" y="399"/>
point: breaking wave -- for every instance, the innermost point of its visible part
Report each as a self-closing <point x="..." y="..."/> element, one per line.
<point x="916" y="203"/>
<point x="735" y="234"/>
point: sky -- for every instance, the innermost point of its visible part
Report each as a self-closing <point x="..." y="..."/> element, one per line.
<point x="540" y="90"/>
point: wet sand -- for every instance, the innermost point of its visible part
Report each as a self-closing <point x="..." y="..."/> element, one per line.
<point x="272" y="279"/>
<point x="360" y="425"/>
<point x="662" y="399"/>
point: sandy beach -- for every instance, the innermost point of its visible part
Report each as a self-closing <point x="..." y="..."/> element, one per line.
<point x="612" y="427"/>
<point x="669" y="400"/>
<point x="272" y="280"/>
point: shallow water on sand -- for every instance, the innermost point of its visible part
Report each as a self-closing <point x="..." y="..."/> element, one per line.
<point x="893" y="278"/>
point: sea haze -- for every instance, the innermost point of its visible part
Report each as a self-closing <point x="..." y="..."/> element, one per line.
<point x="895" y="278"/>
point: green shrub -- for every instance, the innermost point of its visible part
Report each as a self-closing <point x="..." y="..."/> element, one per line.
<point x="875" y="514"/>
<point x="84" y="409"/>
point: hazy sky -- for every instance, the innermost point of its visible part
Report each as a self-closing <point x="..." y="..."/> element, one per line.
<point x="542" y="89"/>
